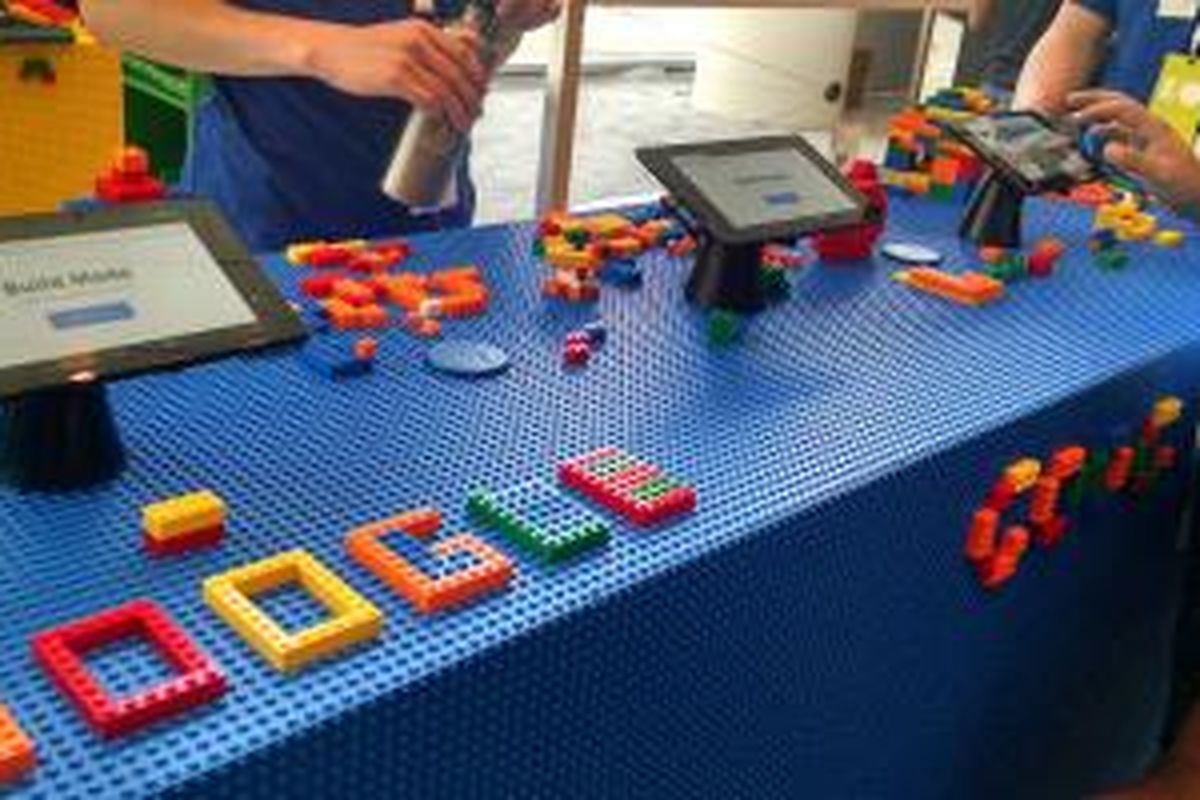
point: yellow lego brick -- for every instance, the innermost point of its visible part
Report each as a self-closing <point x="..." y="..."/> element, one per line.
<point x="56" y="138"/>
<point x="1168" y="238"/>
<point x="1137" y="227"/>
<point x="297" y="254"/>
<point x="182" y="515"/>
<point x="607" y="226"/>
<point x="1167" y="412"/>
<point x="573" y="259"/>
<point x="1024" y="473"/>
<point x="353" y="618"/>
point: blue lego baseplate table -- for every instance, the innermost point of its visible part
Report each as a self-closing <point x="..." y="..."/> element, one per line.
<point x="812" y="630"/>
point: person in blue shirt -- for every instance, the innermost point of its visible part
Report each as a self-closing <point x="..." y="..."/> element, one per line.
<point x="310" y="99"/>
<point x="1115" y="44"/>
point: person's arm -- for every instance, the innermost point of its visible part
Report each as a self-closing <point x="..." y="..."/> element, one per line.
<point x="1148" y="148"/>
<point x="1065" y="58"/>
<point x="411" y="59"/>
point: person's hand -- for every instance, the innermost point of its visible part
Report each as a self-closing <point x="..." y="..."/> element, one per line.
<point x="526" y="15"/>
<point x="412" y="60"/>
<point x="1142" y="145"/>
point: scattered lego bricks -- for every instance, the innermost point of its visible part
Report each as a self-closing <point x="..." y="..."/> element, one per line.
<point x="1067" y="477"/>
<point x="778" y="256"/>
<point x="967" y="288"/>
<point x="1044" y="258"/>
<point x="184" y="523"/>
<point x="490" y="570"/>
<point x="128" y="179"/>
<point x="581" y="251"/>
<point x="353" y="618"/>
<point x="60" y="652"/>
<point x="540" y="521"/>
<point x="18" y="756"/>
<point x="354" y="255"/>
<point x="635" y="489"/>
<point x="1000" y="268"/>
<point x="1126" y="219"/>
<point x="580" y="345"/>
<point x="922" y="158"/>
<point x="857" y="242"/>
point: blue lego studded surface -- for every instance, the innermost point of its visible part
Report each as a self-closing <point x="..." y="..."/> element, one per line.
<point x="810" y="631"/>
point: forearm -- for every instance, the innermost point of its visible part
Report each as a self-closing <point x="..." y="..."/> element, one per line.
<point x="207" y="35"/>
<point x="1063" y="60"/>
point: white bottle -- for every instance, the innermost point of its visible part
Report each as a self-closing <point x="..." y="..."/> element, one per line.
<point x="427" y="161"/>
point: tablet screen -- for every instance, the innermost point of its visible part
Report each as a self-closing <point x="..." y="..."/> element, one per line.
<point x="764" y="187"/>
<point x="120" y="291"/>
<point x="755" y="190"/>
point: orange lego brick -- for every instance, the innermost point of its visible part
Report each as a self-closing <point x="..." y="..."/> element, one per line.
<point x="466" y="303"/>
<point x="968" y="288"/>
<point x="490" y="571"/>
<point x="981" y="539"/>
<point x="406" y="291"/>
<point x="944" y="171"/>
<point x="353" y="292"/>
<point x="18" y="755"/>
<point x="1044" y="505"/>
<point x="455" y="279"/>
<point x="344" y="317"/>
<point x="425" y="327"/>
<point x="1119" y="468"/>
<point x="1066" y="463"/>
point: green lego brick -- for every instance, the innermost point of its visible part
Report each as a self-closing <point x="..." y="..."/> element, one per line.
<point x="655" y="488"/>
<point x="723" y="327"/>
<point x="551" y="542"/>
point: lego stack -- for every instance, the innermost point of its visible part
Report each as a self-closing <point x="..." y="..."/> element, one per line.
<point x="923" y="158"/>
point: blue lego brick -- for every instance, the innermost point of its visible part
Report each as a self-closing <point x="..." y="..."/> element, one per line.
<point x="899" y="159"/>
<point x="811" y="631"/>
<point x="333" y="359"/>
<point x="623" y="272"/>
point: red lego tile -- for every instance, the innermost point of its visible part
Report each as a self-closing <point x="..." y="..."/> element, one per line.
<point x="619" y="491"/>
<point x="981" y="539"/>
<point x="1119" y="468"/>
<point x="60" y="652"/>
<point x="176" y="545"/>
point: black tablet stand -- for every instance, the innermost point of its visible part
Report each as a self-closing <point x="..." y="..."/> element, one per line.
<point x="727" y="276"/>
<point x="993" y="216"/>
<point x="60" y="439"/>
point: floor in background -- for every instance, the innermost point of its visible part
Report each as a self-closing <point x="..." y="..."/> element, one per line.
<point x="619" y="112"/>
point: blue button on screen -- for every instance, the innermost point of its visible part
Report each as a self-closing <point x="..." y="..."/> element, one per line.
<point x="86" y="316"/>
<point x="782" y="199"/>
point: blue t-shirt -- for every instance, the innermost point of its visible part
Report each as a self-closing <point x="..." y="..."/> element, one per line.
<point x="1141" y="38"/>
<point x="290" y="159"/>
